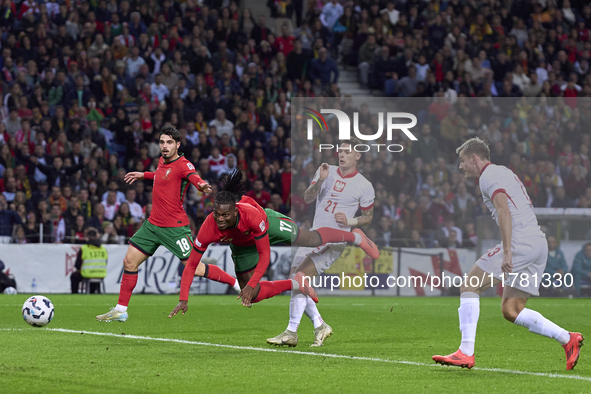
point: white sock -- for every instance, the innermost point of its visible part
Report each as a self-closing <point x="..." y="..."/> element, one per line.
<point x="469" y="311"/>
<point x="120" y="308"/>
<point x="538" y="324"/>
<point x="357" y="239"/>
<point x="312" y="312"/>
<point x="297" y="306"/>
<point x="236" y="286"/>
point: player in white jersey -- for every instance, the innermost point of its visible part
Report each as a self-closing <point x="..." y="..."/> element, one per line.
<point x="339" y="192"/>
<point x="518" y="261"/>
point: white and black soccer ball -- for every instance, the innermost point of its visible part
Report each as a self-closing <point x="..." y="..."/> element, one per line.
<point x="38" y="311"/>
<point x="10" y="290"/>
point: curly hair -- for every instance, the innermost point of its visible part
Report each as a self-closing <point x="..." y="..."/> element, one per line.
<point x="232" y="188"/>
<point x="172" y="131"/>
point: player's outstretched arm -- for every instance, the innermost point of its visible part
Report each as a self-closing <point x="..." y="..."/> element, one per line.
<point x="264" y="248"/>
<point x="186" y="281"/>
<point x="131" y="177"/>
<point x="312" y="191"/>
<point x="199" y="183"/>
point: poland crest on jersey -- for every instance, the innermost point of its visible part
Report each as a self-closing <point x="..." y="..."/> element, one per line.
<point x="339" y="186"/>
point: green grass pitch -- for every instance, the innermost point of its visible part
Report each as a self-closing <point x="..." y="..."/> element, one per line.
<point x="376" y="336"/>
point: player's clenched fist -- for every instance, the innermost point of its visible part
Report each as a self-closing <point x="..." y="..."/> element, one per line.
<point x="181" y="306"/>
<point x="340" y="218"/>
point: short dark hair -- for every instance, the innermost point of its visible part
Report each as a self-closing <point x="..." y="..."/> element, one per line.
<point x="172" y="131"/>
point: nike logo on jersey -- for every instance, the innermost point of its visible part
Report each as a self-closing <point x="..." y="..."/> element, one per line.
<point x="186" y="254"/>
<point x="334" y="195"/>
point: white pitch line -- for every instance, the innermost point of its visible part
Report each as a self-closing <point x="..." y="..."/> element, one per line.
<point x="339" y="356"/>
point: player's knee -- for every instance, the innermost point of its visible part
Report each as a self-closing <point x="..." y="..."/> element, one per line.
<point x="509" y="312"/>
<point x="200" y="271"/>
<point x="129" y="265"/>
<point x="465" y="287"/>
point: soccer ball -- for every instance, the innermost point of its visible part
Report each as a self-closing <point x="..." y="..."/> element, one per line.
<point x="10" y="290"/>
<point x="38" y="311"/>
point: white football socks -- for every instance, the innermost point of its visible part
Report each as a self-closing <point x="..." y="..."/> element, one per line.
<point x="236" y="286"/>
<point x="312" y="312"/>
<point x="357" y="239"/>
<point x="469" y="311"/>
<point x="538" y="324"/>
<point x="297" y="306"/>
<point x="120" y="308"/>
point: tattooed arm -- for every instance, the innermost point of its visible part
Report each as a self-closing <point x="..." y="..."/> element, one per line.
<point x="365" y="218"/>
<point x="312" y="191"/>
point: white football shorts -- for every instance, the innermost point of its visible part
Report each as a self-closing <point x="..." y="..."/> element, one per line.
<point x="530" y="255"/>
<point x="322" y="256"/>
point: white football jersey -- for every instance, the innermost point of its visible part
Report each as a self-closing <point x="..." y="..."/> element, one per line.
<point x="341" y="194"/>
<point x="499" y="179"/>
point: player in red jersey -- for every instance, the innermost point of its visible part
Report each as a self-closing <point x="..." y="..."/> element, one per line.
<point x="251" y="230"/>
<point x="168" y="223"/>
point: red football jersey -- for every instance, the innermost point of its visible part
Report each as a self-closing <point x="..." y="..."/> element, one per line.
<point x="171" y="181"/>
<point x="251" y="224"/>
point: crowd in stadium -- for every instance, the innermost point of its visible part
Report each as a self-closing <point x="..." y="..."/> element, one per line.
<point x="86" y="86"/>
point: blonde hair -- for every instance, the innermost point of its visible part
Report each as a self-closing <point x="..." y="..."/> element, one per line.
<point x="475" y="146"/>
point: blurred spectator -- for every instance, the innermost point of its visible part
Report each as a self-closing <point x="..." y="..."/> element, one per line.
<point x="135" y="209"/>
<point x="111" y="205"/>
<point x="385" y="233"/>
<point x="401" y="234"/>
<point x="71" y="213"/>
<point x="556" y="262"/>
<point x="367" y="55"/>
<point x="470" y="237"/>
<point x="323" y="70"/>
<point x="222" y="125"/>
<point x="258" y="194"/>
<point x="443" y="235"/>
<point x="416" y="241"/>
<point x="561" y="200"/>
<point x="57" y="225"/>
<point x="581" y="269"/>
<point x="8" y="219"/>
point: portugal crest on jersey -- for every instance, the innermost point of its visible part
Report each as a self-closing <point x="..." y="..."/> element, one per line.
<point x="167" y="172"/>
